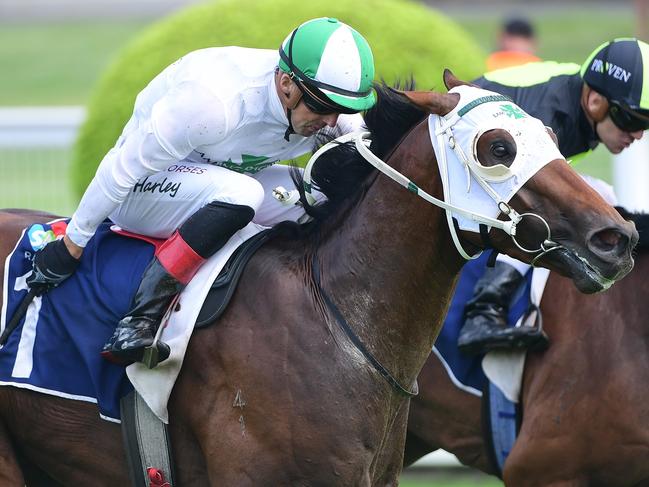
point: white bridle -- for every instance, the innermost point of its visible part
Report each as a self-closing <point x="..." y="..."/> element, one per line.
<point x="452" y="136"/>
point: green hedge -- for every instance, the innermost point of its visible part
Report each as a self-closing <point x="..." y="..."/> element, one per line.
<point x="406" y="38"/>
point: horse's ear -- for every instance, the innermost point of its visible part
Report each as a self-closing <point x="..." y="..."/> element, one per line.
<point x="432" y="102"/>
<point x="450" y="81"/>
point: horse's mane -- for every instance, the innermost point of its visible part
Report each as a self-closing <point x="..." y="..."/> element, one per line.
<point x="641" y="221"/>
<point x="340" y="173"/>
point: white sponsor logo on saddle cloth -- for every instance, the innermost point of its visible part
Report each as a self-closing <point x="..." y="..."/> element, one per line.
<point x="155" y="385"/>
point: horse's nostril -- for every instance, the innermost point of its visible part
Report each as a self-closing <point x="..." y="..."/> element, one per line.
<point x="609" y="241"/>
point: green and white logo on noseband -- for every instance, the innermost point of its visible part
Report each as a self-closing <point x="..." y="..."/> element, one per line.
<point x="513" y="111"/>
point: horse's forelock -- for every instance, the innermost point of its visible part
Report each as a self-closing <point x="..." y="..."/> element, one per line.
<point x="340" y="172"/>
<point x="392" y="116"/>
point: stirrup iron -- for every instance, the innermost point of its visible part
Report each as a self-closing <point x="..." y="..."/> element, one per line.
<point x="152" y="354"/>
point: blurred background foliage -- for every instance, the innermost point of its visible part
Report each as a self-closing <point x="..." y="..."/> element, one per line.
<point x="102" y="62"/>
<point x="430" y="43"/>
<point x="59" y="63"/>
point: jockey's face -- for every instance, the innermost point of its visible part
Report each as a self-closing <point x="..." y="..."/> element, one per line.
<point x="305" y="121"/>
<point x="598" y="111"/>
<point x="615" y="139"/>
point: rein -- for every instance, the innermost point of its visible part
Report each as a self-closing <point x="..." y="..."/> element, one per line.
<point x="361" y="141"/>
<point x="441" y="130"/>
<point x="342" y="322"/>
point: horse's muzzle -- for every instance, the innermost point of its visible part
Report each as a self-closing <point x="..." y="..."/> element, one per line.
<point x="604" y="258"/>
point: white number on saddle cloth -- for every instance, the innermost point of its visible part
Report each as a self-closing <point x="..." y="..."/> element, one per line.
<point x="25" y="354"/>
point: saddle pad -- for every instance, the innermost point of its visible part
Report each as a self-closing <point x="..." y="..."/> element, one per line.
<point x="466" y="370"/>
<point x="55" y="350"/>
<point x="504" y="368"/>
<point x="501" y="420"/>
<point x="155" y="385"/>
<point x="501" y="413"/>
<point x="224" y="286"/>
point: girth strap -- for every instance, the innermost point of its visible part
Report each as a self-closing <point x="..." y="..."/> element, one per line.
<point x="147" y="443"/>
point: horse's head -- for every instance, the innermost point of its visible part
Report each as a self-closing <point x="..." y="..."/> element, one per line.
<point x="496" y="161"/>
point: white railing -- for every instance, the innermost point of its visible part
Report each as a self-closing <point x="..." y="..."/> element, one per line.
<point x="440" y="458"/>
<point x="631" y="175"/>
<point x="33" y="127"/>
<point x="35" y="155"/>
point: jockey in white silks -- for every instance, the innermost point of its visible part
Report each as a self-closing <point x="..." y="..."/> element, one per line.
<point x="195" y="163"/>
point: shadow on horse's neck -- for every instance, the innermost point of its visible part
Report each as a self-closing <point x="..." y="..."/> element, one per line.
<point x="390" y="264"/>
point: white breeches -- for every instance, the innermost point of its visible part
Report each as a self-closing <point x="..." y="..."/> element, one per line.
<point x="159" y="204"/>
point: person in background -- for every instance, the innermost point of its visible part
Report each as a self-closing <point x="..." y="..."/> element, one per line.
<point x="604" y="100"/>
<point x="516" y="45"/>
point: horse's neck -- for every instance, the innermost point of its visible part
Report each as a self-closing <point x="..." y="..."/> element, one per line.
<point x="392" y="266"/>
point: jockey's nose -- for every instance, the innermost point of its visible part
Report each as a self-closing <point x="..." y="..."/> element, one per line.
<point x="637" y="135"/>
<point x="331" y="119"/>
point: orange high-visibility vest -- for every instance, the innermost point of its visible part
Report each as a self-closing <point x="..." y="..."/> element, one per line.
<point x="505" y="59"/>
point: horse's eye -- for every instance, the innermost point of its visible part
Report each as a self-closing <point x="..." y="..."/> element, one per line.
<point x="499" y="150"/>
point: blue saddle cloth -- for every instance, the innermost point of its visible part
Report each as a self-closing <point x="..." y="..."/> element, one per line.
<point x="468" y="369"/>
<point x="56" y="348"/>
<point x="502" y="415"/>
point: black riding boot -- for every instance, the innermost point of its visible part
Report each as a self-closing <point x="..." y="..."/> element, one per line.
<point x="137" y="329"/>
<point x="485" y="326"/>
<point x="175" y="263"/>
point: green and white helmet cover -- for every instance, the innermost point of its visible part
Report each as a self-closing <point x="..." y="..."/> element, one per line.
<point x="334" y="58"/>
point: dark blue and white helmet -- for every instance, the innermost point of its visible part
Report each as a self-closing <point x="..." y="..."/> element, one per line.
<point x="619" y="71"/>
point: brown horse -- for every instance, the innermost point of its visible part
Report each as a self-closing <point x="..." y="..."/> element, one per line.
<point x="585" y="409"/>
<point x="312" y="409"/>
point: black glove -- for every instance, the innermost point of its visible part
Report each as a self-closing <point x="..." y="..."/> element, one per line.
<point x="51" y="266"/>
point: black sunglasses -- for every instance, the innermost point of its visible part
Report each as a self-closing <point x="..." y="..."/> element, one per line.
<point x="316" y="106"/>
<point x="625" y="119"/>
